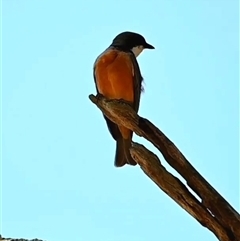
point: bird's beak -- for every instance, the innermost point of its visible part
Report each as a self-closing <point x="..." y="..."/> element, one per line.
<point x="148" y="46"/>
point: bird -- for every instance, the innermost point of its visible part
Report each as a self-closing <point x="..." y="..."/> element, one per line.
<point x="117" y="76"/>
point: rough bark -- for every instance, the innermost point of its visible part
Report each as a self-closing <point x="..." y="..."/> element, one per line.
<point x="213" y="212"/>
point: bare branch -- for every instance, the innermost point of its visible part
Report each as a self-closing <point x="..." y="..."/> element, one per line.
<point x="174" y="188"/>
<point x="223" y="213"/>
<point x="17" y="239"/>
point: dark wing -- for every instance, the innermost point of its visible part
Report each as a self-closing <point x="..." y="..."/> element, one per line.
<point x="137" y="82"/>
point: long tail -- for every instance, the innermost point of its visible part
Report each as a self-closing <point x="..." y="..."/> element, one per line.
<point x="123" y="155"/>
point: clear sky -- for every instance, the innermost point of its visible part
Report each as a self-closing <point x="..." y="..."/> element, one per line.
<point x="58" y="178"/>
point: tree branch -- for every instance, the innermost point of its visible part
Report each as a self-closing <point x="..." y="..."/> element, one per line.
<point x="17" y="239"/>
<point x="218" y="215"/>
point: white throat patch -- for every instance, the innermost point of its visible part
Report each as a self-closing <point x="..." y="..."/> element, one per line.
<point x="137" y="50"/>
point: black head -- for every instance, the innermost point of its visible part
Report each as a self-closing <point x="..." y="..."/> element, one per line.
<point x="129" y="40"/>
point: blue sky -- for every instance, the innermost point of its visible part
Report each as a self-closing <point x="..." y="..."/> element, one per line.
<point x="58" y="178"/>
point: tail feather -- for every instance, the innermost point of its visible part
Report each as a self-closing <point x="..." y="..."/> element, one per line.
<point x="120" y="159"/>
<point x="123" y="155"/>
<point x="127" y="145"/>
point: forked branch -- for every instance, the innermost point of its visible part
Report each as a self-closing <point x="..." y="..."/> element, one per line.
<point x="213" y="212"/>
